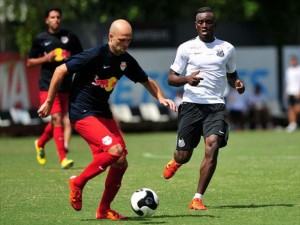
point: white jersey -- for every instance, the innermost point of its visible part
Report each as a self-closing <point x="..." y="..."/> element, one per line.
<point x="292" y="80"/>
<point x="214" y="60"/>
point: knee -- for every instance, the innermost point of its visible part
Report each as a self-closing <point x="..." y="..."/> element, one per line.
<point x="116" y="150"/>
<point x="182" y="157"/>
<point x="57" y="119"/>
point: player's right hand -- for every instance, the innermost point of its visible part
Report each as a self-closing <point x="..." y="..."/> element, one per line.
<point x="44" y="110"/>
<point x="193" y="79"/>
<point x="50" y="56"/>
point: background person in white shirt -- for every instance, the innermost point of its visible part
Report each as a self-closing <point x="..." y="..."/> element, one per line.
<point x="210" y="64"/>
<point x="292" y="87"/>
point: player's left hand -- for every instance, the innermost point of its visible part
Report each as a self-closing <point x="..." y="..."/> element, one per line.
<point x="239" y="86"/>
<point x="169" y="103"/>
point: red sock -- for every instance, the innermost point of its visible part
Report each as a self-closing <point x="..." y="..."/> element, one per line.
<point x="97" y="166"/>
<point x="46" y="135"/>
<point x="112" y="186"/>
<point x="58" y="134"/>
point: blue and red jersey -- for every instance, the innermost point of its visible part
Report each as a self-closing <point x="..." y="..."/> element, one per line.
<point x="97" y="73"/>
<point x="65" y="44"/>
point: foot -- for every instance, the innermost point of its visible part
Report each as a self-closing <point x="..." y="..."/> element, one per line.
<point x="40" y="154"/>
<point x="171" y="169"/>
<point x="110" y="215"/>
<point x="197" y="204"/>
<point x="66" y="163"/>
<point x="75" y="195"/>
<point x="291" y="127"/>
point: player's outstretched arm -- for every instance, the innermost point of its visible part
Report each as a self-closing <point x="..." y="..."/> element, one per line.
<point x="156" y="92"/>
<point x="55" y="84"/>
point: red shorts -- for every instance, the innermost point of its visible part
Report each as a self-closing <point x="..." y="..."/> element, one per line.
<point x="60" y="104"/>
<point x="100" y="133"/>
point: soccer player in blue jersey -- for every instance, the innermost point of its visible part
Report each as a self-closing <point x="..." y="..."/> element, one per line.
<point x="49" y="50"/>
<point x="98" y="71"/>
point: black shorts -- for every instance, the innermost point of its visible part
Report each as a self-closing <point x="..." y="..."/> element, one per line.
<point x="196" y="120"/>
<point x="292" y="100"/>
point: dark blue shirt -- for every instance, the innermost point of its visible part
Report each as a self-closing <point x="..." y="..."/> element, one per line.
<point x="65" y="44"/>
<point x="98" y="71"/>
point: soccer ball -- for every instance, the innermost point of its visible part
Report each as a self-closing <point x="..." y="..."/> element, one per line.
<point x="144" y="202"/>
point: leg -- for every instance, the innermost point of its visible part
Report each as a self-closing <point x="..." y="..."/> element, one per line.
<point x="58" y="135"/>
<point x="112" y="185"/>
<point x="67" y="131"/>
<point x="209" y="163"/>
<point x="108" y="149"/>
<point x="207" y="169"/>
<point x="180" y="157"/>
<point x="46" y="135"/>
<point x="40" y="143"/>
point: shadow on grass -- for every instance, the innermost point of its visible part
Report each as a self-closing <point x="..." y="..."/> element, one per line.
<point x="251" y="206"/>
<point x="151" y="219"/>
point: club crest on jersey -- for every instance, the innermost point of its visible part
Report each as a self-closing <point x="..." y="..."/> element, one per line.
<point x="220" y="53"/>
<point x="123" y="66"/>
<point x="64" y="39"/>
<point x="107" y="84"/>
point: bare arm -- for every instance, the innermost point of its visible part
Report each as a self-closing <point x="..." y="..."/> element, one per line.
<point x="55" y="84"/>
<point x="175" y="80"/>
<point x="235" y="82"/>
<point x="47" y="57"/>
<point x="156" y="92"/>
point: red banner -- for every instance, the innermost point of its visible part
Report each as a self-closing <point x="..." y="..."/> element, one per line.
<point x="18" y="83"/>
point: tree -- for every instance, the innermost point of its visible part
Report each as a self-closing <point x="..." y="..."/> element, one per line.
<point x="21" y="20"/>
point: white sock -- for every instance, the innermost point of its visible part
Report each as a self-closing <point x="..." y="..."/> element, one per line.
<point x="197" y="195"/>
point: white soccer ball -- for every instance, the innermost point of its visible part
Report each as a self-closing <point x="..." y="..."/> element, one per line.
<point x="144" y="202"/>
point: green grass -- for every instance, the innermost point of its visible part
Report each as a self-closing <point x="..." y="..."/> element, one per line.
<point x="257" y="181"/>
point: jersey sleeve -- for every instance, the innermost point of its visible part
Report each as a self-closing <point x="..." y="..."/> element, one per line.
<point x="180" y="61"/>
<point x="78" y="61"/>
<point x="76" y="45"/>
<point x="231" y="63"/>
<point x="35" y="50"/>
<point x="135" y="72"/>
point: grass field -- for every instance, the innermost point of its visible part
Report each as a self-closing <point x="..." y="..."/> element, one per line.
<point x="257" y="181"/>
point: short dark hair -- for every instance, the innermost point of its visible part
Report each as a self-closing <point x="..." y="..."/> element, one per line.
<point x="204" y="9"/>
<point x="52" y="8"/>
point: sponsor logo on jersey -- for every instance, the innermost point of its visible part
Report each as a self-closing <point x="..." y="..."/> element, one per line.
<point x="61" y="54"/>
<point x="123" y="66"/>
<point x="107" y="84"/>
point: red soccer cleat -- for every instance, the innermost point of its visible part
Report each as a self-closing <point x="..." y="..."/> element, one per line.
<point x="171" y="169"/>
<point x="110" y="215"/>
<point x="197" y="204"/>
<point x="75" y="195"/>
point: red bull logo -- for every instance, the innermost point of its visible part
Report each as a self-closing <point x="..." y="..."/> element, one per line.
<point x="61" y="54"/>
<point x="107" y="84"/>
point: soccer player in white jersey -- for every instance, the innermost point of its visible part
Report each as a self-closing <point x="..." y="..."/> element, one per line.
<point x="209" y="64"/>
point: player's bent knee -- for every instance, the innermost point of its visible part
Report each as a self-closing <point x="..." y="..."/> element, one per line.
<point x="116" y="150"/>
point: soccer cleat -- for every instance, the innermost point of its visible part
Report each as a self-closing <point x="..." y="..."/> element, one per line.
<point x="66" y="163"/>
<point x="40" y="154"/>
<point x="197" y="204"/>
<point x="171" y="169"/>
<point x="75" y="195"/>
<point x="110" y="215"/>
